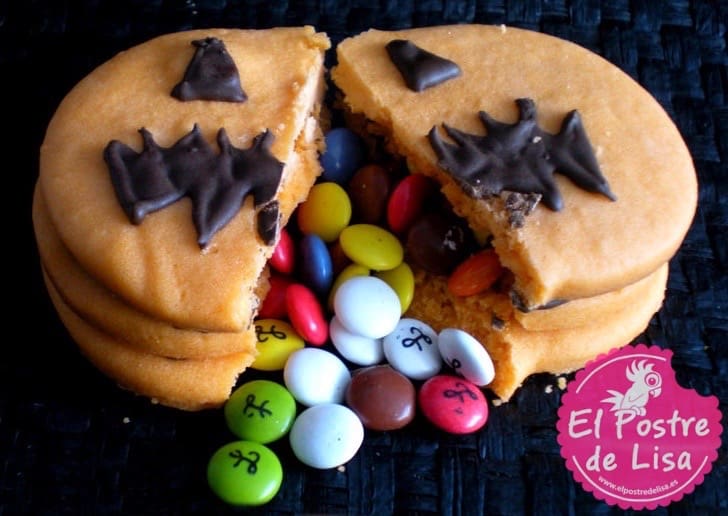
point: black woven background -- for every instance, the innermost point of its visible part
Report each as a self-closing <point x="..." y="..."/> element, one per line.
<point x="72" y="443"/>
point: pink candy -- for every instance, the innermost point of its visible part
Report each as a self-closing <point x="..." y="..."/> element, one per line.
<point x="453" y="404"/>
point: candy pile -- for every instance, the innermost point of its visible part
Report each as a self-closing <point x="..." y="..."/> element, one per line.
<point x="334" y="324"/>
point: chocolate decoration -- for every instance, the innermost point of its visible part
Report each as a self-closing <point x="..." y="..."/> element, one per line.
<point x="210" y="75"/>
<point x="217" y="184"/>
<point x="521" y="157"/>
<point x="420" y="69"/>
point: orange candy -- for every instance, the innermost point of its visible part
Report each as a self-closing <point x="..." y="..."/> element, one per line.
<point x="476" y="274"/>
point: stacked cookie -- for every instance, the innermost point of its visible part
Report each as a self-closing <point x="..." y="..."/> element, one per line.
<point x="165" y="176"/>
<point x="573" y="173"/>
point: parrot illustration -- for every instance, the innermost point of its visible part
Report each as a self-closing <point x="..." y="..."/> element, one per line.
<point x="646" y="383"/>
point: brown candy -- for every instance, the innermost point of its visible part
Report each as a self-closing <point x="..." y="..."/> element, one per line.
<point x="383" y="398"/>
<point x="438" y="243"/>
<point x="369" y="190"/>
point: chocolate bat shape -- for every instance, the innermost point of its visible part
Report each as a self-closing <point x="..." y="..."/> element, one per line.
<point x="521" y="157"/>
<point x="216" y="183"/>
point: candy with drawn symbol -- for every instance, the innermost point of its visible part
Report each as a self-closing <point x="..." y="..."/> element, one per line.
<point x="260" y="410"/>
<point x="411" y="348"/>
<point x="244" y="473"/>
<point x="466" y="356"/>
<point x="453" y="404"/>
<point x="276" y="341"/>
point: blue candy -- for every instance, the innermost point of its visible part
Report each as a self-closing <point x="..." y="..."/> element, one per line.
<point x="343" y="156"/>
<point x="317" y="269"/>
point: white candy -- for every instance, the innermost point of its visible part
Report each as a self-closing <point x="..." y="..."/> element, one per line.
<point x="326" y="436"/>
<point x="367" y="306"/>
<point x="357" y="349"/>
<point x="412" y="349"/>
<point x="315" y="376"/>
<point x="466" y="356"/>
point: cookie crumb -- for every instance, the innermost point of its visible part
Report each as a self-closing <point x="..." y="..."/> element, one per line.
<point x="519" y="206"/>
<point x="126" y="420"/>
<point x="497" y="402"/>
<point x="341" y="469"/>
<point x="561" y="382"/>
<point x="549" y="389"/>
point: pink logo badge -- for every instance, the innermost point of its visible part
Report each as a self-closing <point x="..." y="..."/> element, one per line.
<point x="631" y="435"/>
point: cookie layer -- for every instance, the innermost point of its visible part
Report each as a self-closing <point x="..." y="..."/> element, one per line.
<point x="157" y="266"/>
<point x="111" y="315"/>
<point x="184" y="384"/>
<point x="516" y="352"/>
<point x="593" y="245"/>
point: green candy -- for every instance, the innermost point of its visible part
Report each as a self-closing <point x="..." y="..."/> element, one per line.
<point x="244" y="473"/>
<point x="261" y="411"/>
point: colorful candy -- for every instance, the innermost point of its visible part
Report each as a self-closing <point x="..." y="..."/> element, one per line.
<point x="244" y="473"/>
<point x="325" y="212"/>
<point x="306" y="314"/>
<point x="357" y="349"/>
<point x="261" y="411"/>
<point x="326" y="436"/>
<point x="344" y="154"/>
<point x="438" y="243"/>
<point x="371" y="246"/>
<point x="406" y="204"/>
<point x="402" y="281"/>
<point x="316" y="267"/>
<point x="412" y="349"/>
<point x="367" y="306"/>
<point x="369" y="192"/>
<point x="315" y="376"/>
<point x="276" y="341"/>
<point x="383" y="398"/>
<point x="274" y="303"/>
<point x="453" y="404"/>
<point x="348" y="272"/>
<point x="466" y="356"/>
<point x="283" y="258"/>
<point x="475" y="274"/>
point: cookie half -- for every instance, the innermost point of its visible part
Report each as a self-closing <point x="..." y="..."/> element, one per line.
<point x="184" y="384"/>
<point x="517" y="352"/>
<point x="96" y="305"/>
<point x="188" y="245"/>
<point x="604" y="190"/>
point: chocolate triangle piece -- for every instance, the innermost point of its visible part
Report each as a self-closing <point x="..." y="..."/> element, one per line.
<point x="420" y="69"/>
<point x="210" y="75"/>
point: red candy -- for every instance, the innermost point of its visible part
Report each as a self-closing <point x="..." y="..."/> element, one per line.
<point x="274" y="304"/>
<point x="453" y="404"/>
<point x="407" y="200"/>
<point x="283" y="258"/>
<point x="306" y="314"/>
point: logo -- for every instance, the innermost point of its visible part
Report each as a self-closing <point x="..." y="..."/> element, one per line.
<point x="631" y="435"/>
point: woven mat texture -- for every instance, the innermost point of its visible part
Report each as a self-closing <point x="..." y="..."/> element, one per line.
<point x="72" y="443"/>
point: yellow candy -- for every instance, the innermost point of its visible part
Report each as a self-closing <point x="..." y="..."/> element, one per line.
<point x="350" y="271"/>
<point x="276" y="341"/>
<point x="325" y="212"/>
<point x="371" y="246"/>
<point x="402" y="281"/>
